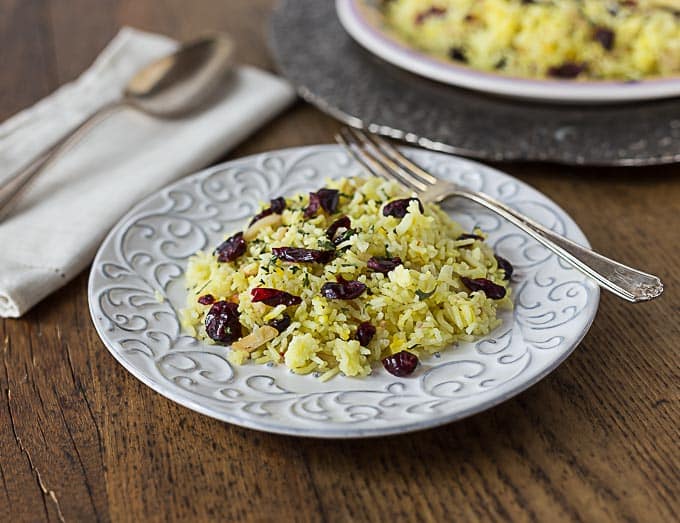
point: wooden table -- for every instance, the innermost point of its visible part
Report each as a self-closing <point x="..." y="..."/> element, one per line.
<point x="82" y="440"/>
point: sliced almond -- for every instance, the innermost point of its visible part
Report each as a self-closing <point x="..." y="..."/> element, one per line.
<point x="255" y="339"/>
<point x="251" y="269"/>
<point x="268" y="221"/>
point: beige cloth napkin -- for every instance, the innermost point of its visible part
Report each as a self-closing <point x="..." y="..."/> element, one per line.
<point x="57" y="226"/>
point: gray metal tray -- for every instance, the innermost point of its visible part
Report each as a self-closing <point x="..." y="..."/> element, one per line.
<point x="334" y="73"/>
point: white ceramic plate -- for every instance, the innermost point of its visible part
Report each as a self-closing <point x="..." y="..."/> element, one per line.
<point x="144" y="257"/>
<point x="363" y="21"/>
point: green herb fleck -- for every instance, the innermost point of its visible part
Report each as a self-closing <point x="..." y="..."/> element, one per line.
<point x="345" y="236"/>
<point x="294" y="269"/>
<point x="325" y="244"/>
<point x="305" y="282"/>
<point x="202" y="288"/>
<point x="422" y="296"/>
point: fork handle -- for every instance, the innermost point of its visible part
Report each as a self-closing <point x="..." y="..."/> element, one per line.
<point x="628" y="283"/>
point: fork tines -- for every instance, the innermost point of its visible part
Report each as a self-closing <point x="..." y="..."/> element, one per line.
<point x="382" y="159"/>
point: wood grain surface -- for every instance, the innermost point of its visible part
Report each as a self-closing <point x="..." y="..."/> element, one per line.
<point x="82" y="440"/>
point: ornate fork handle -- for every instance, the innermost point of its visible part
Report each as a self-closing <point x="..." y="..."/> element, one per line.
<point x="626" y="282"/>
<point x="381" y="158"/>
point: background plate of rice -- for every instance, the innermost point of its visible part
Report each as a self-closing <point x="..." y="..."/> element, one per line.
<point x="136" y="289"/>
<point x="364" y="21"/>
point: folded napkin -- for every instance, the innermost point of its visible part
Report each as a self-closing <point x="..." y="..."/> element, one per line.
<point x="54" y="231"/>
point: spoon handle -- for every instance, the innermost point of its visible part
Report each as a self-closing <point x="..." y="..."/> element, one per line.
<point x="11" y="191"/>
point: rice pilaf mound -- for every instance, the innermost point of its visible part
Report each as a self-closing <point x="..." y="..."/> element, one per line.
<point x="591" y="39"/>
<point x="396" y="275"/>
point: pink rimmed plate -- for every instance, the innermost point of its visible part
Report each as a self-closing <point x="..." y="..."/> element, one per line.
<point x="363" y="20"/>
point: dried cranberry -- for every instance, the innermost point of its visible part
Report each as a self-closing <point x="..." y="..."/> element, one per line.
<point x="327" y="199"/>
<point x="299" y="254"/>
<point x="567" y="70"/>
<point x="491" y="289"/>
<point x="470" y="236"/>
<point x="383" y="264"/>
<point x="365" y="333"/>
<point x="399" y="208"/>
<point x="314" y="204"/>
<point x="280" y="324"/>
<point x="605" y="37"/>
<point x="221" y="322"/>
<point x="274" y="297"/>
<point x="206" y="299"/>
<point x="456" y="53"/>
<point x="428" y="13"/>
<point x="231" y="248"/>
<point x="343" y="289"/>
<point x="277" y="205"/>
<point x="506" y="266"/>
<point x="343" y="222"/>
<point x="400" y="364"/>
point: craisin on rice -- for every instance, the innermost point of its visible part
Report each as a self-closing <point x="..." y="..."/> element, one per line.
<point x="355" y="273"/>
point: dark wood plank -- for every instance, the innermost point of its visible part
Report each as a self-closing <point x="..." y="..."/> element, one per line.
<point x="29" y="74"/>
<point x="82" y="440"/>
<point x="27" y="63"/>
<point x="49" y="414"/>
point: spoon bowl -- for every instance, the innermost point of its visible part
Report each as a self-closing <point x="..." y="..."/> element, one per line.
<point x="180" y="83"/>
<point x="172" y="86"/>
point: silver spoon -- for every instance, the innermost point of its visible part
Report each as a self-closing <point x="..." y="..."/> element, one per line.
<point x="169" y="87"/>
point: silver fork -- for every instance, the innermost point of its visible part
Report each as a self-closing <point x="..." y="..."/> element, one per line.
<point x="382" y="159"/>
